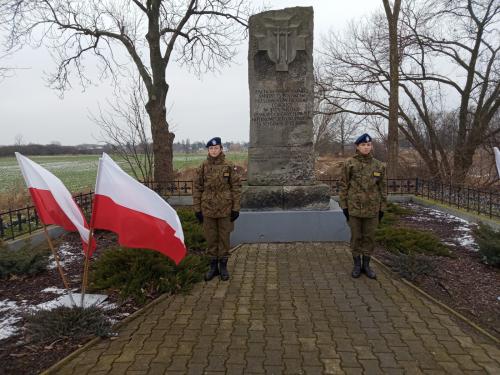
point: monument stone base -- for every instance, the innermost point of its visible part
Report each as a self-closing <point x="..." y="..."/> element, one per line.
<point x="279" y="198"/>
<point x="291" y="226"/>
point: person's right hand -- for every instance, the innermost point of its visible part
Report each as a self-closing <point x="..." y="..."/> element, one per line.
<point x="346" y="213"/>
<point x="199" y="216"/>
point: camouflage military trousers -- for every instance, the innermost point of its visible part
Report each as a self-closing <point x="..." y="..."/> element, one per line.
<point x="362" y="234"/>
<point x="217" y="231"/>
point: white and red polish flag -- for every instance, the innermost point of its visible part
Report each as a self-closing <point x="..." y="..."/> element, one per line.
<point x="53" y="201"/>
<point x="140" y="217"/>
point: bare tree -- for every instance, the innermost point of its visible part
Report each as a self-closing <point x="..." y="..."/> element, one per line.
<point x="125" y="127"/>
<point x="330" y="126"/>
<point x="322" y="122"/>
<point x="19" y="140"/>
<point x="433" y="60"/>
<point x="392" y="16"/>
<point x="200" y="34"/>
<point x="465" y="33"/>
<point x="344" y="126"/>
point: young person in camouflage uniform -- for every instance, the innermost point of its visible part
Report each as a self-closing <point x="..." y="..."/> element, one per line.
<point x="216" y="200"/>
<point x="363" y="199"/>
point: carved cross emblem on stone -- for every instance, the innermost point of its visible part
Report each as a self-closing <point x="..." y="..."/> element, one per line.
<point x="281" y="42"/>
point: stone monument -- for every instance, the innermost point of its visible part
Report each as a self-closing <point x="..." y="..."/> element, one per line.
<point x="280" y="157"/>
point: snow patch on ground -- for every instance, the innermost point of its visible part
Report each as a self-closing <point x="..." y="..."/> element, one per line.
<point x="10" y="311"/>
<point x="9" y="317"/>
<point x="65" y="300"/>
<point x="54" y="290"/>
<point x="463" y="231"/>
<point x="66" y="256"/>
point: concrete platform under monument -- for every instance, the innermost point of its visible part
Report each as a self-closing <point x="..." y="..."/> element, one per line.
<point x="291" y="226"/>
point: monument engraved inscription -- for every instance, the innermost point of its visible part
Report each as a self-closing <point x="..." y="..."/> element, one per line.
<point x="281" y="83"/>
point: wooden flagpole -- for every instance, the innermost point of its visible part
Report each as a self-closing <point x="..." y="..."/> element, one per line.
<point x="61" y="272"/>
<point x="86" y="266"/>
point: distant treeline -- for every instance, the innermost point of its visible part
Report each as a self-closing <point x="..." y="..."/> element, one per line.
<point x="53" y="149"/>
<point x="91" y="149"/>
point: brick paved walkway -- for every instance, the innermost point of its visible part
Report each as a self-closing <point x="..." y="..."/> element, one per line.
<point x="292" y="309"/>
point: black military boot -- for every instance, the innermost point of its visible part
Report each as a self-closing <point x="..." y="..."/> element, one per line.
<point x="224" y="274"/>
<point x="366" y="268"/>
<point x="356" y="270"/>
<point x="214" y="269"/>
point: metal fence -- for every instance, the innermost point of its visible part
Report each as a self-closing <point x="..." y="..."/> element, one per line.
<point x="478" y="201"/>
<point x="18" y="222"/>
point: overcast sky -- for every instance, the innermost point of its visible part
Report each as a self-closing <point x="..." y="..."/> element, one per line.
<point x="215" y="105"/>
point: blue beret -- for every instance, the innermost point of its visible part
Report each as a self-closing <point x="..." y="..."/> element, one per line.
<point x="214" y="142"/>
<point x="363" y="139"/>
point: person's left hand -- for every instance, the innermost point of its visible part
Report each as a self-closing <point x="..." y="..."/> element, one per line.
<point x="234" y="215"/>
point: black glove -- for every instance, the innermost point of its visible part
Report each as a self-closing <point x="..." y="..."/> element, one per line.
<point x="234" y="215"/>
<point x="380" y="215"/>
<point x="346" y="213"/>
<point x="199" y="216"/>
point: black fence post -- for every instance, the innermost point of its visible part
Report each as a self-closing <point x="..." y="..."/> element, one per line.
<point x="2" y="233"/>
<point x="19" y="222"/>
<point x="29" y="220"/>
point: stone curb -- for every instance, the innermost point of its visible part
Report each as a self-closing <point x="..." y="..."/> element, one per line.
<point x="56" y="366"/>
<point x="439" y="303"/>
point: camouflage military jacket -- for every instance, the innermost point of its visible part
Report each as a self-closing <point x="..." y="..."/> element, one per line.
<point x="217" y="188"/>
<point x="363" y="186"/>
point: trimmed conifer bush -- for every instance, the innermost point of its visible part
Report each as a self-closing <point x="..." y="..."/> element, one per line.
<point x="193" y="231"/>
<point x="140" y="273"/>
<point x="23" y="262"/>
<point x="409" y="240"/>
<point x="488" y="240"/>
<point x="66" y="322"/>
<point x="410" y="266"/>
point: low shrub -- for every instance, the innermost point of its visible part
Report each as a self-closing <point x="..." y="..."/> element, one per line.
<point x="140" y="273"/>
<point x="488" y="241"/>
<point x="23" y="262"/>
<point x="392" y="213"/>
<point x="66" y="322"/>
<point x="409" y="240"/>
<point x="410" y="266"/>
<point x="193" y="231"/>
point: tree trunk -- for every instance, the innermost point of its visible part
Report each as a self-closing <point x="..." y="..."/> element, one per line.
<point x="392" y="136"/>
<point x="163" y="141"/>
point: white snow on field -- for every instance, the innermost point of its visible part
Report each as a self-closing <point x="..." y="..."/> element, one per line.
<point x="463" y="231"/>
<point x="66" y="256"/>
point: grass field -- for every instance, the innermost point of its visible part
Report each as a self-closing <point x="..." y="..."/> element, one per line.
<point x="78" y="172"/>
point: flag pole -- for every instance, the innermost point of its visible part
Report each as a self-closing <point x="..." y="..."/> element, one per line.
<point x="86" y="266"/>
<point x="91" y="235"/>
<point x="61" y="272"/>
